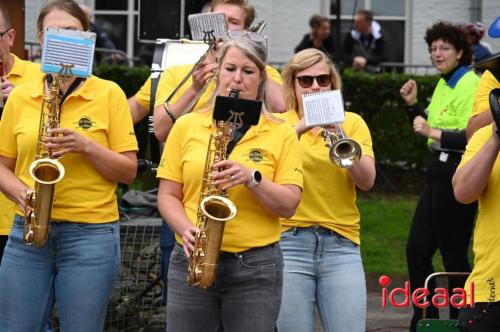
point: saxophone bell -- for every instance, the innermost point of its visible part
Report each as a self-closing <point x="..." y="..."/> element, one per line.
<point x="214" y="210"/>
<point x="45" y="170"/>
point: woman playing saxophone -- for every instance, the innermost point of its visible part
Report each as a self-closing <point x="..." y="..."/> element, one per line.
<point x="95" y="142"/>
<point x="262" y="177"/>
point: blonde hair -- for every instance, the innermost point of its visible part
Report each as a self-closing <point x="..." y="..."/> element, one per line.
<point x="257" y="53"/>
<point x="301" y="61"/>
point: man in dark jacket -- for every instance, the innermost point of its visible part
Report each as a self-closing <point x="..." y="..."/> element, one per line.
<point x="319" y="37"/>
<point x="363" y="47"/>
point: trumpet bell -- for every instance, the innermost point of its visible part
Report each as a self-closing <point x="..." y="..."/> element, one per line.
<point x="345" y="153"/>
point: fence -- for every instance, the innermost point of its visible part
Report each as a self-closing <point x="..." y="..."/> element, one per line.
<point x="136" y="302"/>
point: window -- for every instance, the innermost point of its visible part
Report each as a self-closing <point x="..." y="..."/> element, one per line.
<point x="116" y="18"/>
<point x="390" y="14"/>
<point x="119" y="19"/>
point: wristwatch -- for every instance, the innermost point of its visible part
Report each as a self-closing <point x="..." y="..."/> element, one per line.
<point x="256" y="178"/>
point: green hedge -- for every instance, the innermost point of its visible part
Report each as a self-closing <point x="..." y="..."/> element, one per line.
<point x="129" y="79"/>
<point x="374" y="96"/>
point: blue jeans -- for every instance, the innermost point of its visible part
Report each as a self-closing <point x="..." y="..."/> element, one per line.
<point x="245" y="297"/>
<point x="167" y="242"/>
<point x="77" y="268"/>
<point x="322" y="269"/>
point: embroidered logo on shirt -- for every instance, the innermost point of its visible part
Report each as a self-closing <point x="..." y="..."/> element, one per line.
<point x="256" y="156"/>
<point x="85" y="123"/>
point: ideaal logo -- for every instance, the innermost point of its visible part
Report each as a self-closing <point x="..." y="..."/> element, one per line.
<point x="85" y="123"/>
<point x="256" y="156"/>
<point x="418" y="297"/>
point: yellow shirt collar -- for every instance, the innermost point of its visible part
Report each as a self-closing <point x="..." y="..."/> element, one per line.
<point x="262" y="126"/>
<point x="18" y="67"/>
<point x="86" y="91"/>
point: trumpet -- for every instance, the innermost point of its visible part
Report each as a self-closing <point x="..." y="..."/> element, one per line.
<point x="344" y="152"/>
<point x="211" y="46"/>
<point x="212" y="42"/>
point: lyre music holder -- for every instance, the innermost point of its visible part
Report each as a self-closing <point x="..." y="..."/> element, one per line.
<point x="238" y="111"/>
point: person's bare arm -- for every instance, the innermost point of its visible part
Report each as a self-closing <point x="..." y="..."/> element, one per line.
<point x="136" y="110"/>
<point x="471" y="179"/>
<point x="478" y="121"/>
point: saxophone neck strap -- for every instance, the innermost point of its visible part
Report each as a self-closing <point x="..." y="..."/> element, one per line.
<point x="236" y="137"/>
<point x="71" y="88"/>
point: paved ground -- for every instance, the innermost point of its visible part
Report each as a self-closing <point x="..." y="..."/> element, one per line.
<point x="385" y="319"/>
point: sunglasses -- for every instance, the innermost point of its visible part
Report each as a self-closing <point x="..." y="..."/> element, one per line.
<point x="307" y="81"/>
<point x="253" y="36"/>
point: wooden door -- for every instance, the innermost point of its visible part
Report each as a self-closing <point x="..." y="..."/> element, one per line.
<point x="16" y="9"/>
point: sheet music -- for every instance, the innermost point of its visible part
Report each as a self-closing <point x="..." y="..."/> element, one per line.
<point x="201" y="23"/>
<point x="182" y="52"/>
<point x="68" y="47"/>
<point x="323" y="108"/>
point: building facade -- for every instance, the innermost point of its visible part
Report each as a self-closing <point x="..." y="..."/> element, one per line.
<point x="403" y="21"/>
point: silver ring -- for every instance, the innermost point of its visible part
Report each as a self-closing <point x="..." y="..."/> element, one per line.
<point x="231" y="177"/>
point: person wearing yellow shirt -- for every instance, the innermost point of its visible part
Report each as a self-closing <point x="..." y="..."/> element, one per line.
<point x="15" y="72"/>
<point x="78" y="265"/>
<point x="478" y="178"/>
<point x="263" y="177"/>
<point x="239" y="15"/>
<point x="320" y="242"/>
<point x="481" y="115"/>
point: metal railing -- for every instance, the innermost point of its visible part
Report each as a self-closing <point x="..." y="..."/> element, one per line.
<point x="387" y="67"/>
<point x="414" y="69"/>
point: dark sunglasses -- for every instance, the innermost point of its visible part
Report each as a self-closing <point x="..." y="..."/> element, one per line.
<point x="307" y="81"/>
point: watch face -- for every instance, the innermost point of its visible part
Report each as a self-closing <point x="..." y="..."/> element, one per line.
<point x="257" y="176"/>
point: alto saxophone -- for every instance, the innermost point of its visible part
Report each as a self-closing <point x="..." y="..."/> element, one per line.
<point x="45" y="170"/>
<point x="213" y="211"/>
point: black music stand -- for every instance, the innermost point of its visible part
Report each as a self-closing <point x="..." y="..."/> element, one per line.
<point x="229" y="108"/>
<point x="243" y="113"/>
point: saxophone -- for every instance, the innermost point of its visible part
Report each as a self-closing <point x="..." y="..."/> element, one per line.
<point x="45" y="170"/>
<point x="213" y="211"/>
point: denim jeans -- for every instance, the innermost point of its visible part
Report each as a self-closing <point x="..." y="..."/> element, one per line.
<point x="167" y="242"/>
<point x="77" y="268"/>
<point x="3" y="242"/>
<point x="245" y="296"/>
<point x="323" y="270"/>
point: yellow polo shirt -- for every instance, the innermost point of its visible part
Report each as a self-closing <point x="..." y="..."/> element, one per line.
<point x="97" y="110"/>
<point x="487" y="82"/>
<point x="329" y="195"/>
<point x="142" y="96"/>
<point x="172" y="77"/>
<point x="22" y="72"/>
<point x="270" y="147"/>
<point x="486" y="243"/>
